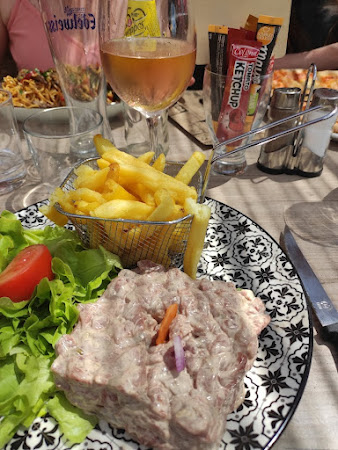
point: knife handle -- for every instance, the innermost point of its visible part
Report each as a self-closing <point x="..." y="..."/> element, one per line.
<point x="330" y="332"/>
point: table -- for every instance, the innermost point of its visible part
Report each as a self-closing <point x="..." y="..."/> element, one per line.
<point x="265" y="199"/>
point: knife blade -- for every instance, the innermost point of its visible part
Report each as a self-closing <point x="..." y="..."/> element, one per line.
<point x="322" y="305"/>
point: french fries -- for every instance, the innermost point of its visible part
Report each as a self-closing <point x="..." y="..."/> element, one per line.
<point x="201" y="216"/>
<point x="159" y="163"/>
<point x="122" y="209"/>
<point x="123" y="190"/>
<point x="147" y="157"/>
<point x="90" y="178"/>
<point x="152" y="179"/>
<point x="191" y="167"/>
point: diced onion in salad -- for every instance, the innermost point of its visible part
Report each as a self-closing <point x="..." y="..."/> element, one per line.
<point x="179" y="354"/>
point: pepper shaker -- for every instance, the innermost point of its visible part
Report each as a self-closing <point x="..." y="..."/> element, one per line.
<point x="274" y="155"/>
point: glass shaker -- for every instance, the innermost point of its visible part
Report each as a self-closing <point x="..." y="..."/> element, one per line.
<point x="316" y="137"/>
<point x="274" y="155"/>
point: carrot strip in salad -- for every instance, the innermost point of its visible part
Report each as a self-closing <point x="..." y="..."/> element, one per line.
<point x="169" y="316"/>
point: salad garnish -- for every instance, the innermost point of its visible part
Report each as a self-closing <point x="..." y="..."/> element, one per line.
<point x="30" y="329"/>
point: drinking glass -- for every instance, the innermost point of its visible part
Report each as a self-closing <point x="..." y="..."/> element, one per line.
<point x="136" y="132"/>
<point x="55" y="142"/>
<point x="235" y="125"/>
<point x="12" y="165"/>
<point x="72" y="31"/>
<point x="148" y="54"/>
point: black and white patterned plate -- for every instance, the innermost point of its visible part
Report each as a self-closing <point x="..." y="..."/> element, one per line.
<point x="236" y="249"/>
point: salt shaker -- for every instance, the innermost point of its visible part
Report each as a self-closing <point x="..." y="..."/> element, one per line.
<point x="316" y="137"/>
<point x="274" y="155"/>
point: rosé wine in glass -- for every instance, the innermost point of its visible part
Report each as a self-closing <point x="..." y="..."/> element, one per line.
<point x="148" y="73"/>
<point x="148" y="53"/>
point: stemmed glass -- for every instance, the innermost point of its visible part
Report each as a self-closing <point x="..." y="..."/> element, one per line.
<point x="148" y="70"/>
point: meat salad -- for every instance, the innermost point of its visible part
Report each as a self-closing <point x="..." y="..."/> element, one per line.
<point x="110" y="364"/>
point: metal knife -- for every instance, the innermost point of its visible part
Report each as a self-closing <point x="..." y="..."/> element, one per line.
<point x="323" y="307"/>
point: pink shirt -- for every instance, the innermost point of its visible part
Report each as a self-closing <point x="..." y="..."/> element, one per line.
<point x="28" y="39"/>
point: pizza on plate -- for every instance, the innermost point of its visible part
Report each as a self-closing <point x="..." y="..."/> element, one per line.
<point x="297" y="78"/>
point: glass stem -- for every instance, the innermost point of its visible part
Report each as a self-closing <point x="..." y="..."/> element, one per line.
<point x="153" y="123"/>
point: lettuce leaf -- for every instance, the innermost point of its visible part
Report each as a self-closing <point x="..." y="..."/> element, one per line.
<point x="73" y="422"/>
<point x="25" y="395"/>
<point x="29" y="330"/>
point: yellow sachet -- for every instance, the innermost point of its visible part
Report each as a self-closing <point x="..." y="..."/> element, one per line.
<point x="142" y="20"/>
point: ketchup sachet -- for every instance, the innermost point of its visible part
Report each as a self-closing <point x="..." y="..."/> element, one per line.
<point x="241" y="63"/>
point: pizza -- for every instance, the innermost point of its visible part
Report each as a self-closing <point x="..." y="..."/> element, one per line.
<point x="297" y="78"/>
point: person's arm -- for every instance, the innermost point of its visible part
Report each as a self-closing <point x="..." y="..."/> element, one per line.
<point x="325" y="58"/>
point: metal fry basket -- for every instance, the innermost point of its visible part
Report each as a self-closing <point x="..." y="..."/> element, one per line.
<point x="134" y="240"/>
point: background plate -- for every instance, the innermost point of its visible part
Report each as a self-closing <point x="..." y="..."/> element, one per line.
<point x="236" y="249"/>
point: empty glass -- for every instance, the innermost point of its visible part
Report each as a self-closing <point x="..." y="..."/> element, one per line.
<point x="56" y="142"/>
<point x="12" y="165"/>
<point x="234" y="123"/>
<point x="72" y="31"/>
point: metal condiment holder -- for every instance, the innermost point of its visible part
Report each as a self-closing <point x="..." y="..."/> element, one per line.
<point x="299" y="117"/>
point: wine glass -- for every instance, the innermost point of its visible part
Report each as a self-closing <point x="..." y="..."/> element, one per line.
<point x="148" y="54"/>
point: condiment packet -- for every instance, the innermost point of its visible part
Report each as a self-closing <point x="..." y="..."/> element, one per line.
<point x="245" y="56"/>
<point x="218" y="36"/>
<point x="242" y="55"/>
<point x="267" y="31"/>
<point x="251" y="23"/>
<point x="142" y="19"/>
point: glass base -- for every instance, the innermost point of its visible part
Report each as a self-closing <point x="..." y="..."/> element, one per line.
<point x="28" y="195"/>
<point x="83" y="147"/>
<point x="231" y="165"/>
<point x="321" y="219"/>
<point x="12" y="171"/>
<point x="137" y="149"/>
<point x="11" y="185"/>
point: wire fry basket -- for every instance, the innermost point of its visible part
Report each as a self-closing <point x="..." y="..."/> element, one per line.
<point x="134" y="240"/>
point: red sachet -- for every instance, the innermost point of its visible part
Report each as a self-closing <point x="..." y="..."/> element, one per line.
<point x="242" y="58"/>
<point x="251" y="35"/>
<point x="234" y="35"/>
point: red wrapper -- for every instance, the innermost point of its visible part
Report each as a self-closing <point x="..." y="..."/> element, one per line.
<point x="235" y="35"/>
<point x="249" y="34"/>
<point x="242" y="58"/>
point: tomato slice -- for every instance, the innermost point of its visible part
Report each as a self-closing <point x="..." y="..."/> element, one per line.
<point x="25" y="271"/>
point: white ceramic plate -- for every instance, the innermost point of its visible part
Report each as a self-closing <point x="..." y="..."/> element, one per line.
<point x="22" y="113"/>
<point x="236" y="249"/>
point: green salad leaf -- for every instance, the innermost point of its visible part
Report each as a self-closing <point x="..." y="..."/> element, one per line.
<point x="72" y="421"/>
<point x="29" y="330"/>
